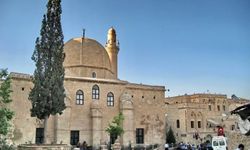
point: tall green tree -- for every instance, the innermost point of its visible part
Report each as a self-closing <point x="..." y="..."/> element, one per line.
<point x="5" y="113"/>
<point x="47" y="95"/>
<point x="170" y="138"/>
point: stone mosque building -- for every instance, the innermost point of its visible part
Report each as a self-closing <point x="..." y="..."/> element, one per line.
<point x="95" y="94"/>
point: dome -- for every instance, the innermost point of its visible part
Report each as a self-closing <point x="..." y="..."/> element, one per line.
<point x="84" y="57"/>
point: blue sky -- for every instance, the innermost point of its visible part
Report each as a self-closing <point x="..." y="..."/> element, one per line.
<point x="189" y="46"/>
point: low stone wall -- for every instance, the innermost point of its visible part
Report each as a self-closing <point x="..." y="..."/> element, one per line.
<point x="234" y="139"/>
<point x="43" y="147"/>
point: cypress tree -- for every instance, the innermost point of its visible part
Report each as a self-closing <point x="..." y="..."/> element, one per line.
<point x="170" y="138"/>
<point x="47" y="95"/>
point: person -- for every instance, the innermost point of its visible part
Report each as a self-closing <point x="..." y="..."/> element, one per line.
<point x="78" y="144"/>
<point x="166" y="146"/>
<point x="240" y="147"/>
<point x="209" y="145"/>
<point x="84" y="145"/>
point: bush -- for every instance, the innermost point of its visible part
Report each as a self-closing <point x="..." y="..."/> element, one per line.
<point x="5" y="146"/>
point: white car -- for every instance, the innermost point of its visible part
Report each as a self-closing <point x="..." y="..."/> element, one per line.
<point x="219" y="143"/>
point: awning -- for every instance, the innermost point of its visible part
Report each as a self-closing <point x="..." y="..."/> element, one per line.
<point x="213" y="122"/>
<point x="244" y="126"/>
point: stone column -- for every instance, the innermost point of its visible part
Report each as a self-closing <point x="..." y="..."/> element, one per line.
<point x="127" y="110"/>
<point x="62" y="125"/>
<point x="96" y="116"/>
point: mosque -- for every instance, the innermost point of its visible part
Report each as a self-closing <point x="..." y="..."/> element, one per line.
<point x="94" y="95"/>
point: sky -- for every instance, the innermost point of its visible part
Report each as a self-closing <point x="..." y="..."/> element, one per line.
<point x="188" y="46"/>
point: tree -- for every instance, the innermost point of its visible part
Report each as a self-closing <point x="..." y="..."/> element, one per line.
<point x="47" y="95"/>
<point x="170" y="138"/>
<point x="115" y="128"/>
<point x="5" y="113"/>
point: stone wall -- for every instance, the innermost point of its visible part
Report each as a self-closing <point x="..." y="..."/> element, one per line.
<point x="235" y="138"/>
<point x="25" y="125"/>
<point x="44" y="147"/>
<point x="148" y="113"/>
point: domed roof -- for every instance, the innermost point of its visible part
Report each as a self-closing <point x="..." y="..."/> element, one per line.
<point x="84" y="52"/>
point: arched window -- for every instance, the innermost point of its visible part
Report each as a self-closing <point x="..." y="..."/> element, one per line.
<point x="93" y="75"/>
<point x="199" y="124"/>
<point x="178" y="123"/>
<point x="79" y="97"/>
<point x="192" y="124"/>
<point x="95" y="92"/>
<point x="193" y="114"/>
<point x="110" y="99"/>
<point x="209" y="107"/>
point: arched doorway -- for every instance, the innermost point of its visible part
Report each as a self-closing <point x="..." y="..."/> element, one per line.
<point x="208" y="138"/>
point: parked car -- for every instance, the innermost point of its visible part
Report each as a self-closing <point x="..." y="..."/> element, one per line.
<point x="219" y="143"/>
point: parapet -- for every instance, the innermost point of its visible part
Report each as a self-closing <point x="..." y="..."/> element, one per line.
<point x="15" y="75"/>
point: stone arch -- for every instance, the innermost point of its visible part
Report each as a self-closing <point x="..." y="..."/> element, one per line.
<point x="199" y="115"/>
<point x="126" y="101"/>
<point x="192" y="119"/>
<point x="208" y="137"/>
<point x="192" y="114"/>
<point x="199" y="119"/>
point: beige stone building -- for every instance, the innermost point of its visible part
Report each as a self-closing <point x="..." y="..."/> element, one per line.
<point x="196" y="118"/>
<point x="94" y="95"/>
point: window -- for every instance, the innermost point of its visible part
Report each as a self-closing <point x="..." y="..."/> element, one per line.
<point x="233" y="127"/>
<point x="64" y="56"/>
<point x="215" y="143"/>
<point x="218" y="107"/>
<point x="39" y="135"/>
<point x="74" y="137"/>
<point x="110" y="99"/>
<point x="79" y="97"/>
<point x="95" y="92"/>
<point x="199" y="124"/>
<point x="192" y="124"/>
<point x="222" y="142"/>
<point x="93" y="75"/>
<point x="209" y="107"/>
<point x="224" y="108"/>
<point x="177" y="123"/>
<point x="139" y="136"/>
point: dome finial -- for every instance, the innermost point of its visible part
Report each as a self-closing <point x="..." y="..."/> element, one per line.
<point x="83" y="33"/>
